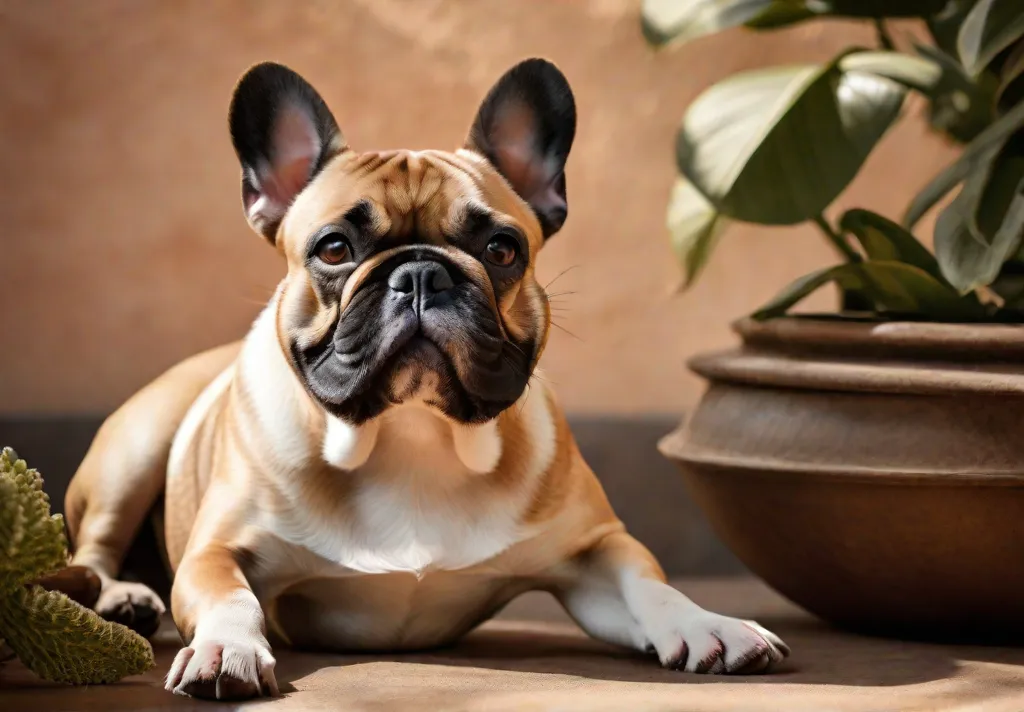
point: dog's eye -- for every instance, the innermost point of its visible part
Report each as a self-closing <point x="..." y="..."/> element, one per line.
<point x="502" y="250"/>
<point x="333" y="250"/>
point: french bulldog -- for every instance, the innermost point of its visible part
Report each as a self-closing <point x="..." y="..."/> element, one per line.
<point x="377" y="466"/>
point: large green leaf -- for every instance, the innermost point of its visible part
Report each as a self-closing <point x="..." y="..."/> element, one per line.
<point x="966" y="262"/>
<point x="990" y="27"/>
<point x="776" y="146"/>
<point x="884" y="240"/>
<point x="897" y="289"/>
<point x="695" y="227"/>
<point x="666" y="21"/>
<point x="975" y="156"/>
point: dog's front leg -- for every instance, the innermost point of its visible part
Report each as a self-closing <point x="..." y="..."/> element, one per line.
<point x="221" y="621"/>
<point x="616" y="591"/>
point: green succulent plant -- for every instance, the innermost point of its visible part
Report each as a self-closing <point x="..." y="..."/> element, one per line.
<point x="55" y="637"/>
<point x="777" y="145"/>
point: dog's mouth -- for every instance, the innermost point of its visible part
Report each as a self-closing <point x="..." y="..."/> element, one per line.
<point x="419" y="370"/>
<point x="418" y="330"/>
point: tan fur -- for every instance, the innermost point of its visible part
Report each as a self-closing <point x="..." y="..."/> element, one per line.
<point x="227" y="455"/>
<point x="123" y="472"/>
<point x="256" y="515"/>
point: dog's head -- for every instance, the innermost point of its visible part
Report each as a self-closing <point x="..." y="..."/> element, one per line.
<point x="410" y="273"/>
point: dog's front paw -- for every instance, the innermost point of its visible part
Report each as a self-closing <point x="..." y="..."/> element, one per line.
<point x="130" y="604"/>
<point x="687" y="637"/>
<point x="236" y="668"/>
<point x="705" y="642"/>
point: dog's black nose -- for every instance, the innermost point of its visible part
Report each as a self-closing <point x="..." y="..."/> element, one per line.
<point x="421" y="279"/>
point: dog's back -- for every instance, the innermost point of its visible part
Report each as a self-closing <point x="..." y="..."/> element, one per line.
<point x="132" y="448"/>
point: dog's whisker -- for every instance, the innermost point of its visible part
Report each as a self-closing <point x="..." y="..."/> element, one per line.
<point x="263" y="299"/>
<point x="559" y="276"/>
<point x="562" y="328"/>
<point x="560" y="294"/>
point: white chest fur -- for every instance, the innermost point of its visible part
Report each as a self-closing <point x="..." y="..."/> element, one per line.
<point x="423" y="499"/>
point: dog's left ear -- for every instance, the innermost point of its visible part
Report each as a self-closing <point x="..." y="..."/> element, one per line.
<point x="525" y="128"/>
<point x="283" y="134"/>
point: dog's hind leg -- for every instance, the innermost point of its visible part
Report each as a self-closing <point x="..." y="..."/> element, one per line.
<point x="121" y="478"/>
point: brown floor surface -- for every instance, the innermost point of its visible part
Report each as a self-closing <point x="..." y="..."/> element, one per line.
<point x="532" y="658"/>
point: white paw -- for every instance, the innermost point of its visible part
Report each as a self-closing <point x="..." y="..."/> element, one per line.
<point x="714" y="644"/>
<point x="687" y="637"/>
<point x="234" y="668"/>
<point x="130" y="604"/>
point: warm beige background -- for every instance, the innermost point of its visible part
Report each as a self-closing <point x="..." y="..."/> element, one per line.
<point x="123" y="244"/>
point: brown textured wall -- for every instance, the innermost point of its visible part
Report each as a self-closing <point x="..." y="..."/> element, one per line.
<point x="123" y="246"/>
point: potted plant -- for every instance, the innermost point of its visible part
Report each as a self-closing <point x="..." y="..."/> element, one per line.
<point x="869" y="464"/>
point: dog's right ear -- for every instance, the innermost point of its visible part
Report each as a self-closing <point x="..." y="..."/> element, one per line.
<point x="283" y="134"/>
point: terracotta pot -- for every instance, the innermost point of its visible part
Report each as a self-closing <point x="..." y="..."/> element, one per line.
<point x="871" y="472"/>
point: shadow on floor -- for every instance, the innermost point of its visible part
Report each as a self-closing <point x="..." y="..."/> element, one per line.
<point x="821" y="657"/>
<point x="523" y="656"/>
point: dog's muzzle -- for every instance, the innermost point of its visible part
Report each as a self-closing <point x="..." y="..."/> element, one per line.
<point x="417" y="316"/>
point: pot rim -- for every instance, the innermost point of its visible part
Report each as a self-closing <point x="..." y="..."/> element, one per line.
<point x="914" y="358"/>
<point x="851" y="336"/>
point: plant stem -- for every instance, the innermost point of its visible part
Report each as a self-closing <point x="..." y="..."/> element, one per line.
<point x="836" y="239"/>
<point x="884" y="38"/>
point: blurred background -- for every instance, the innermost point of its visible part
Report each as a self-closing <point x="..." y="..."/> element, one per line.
<point x="124" y="248"/>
